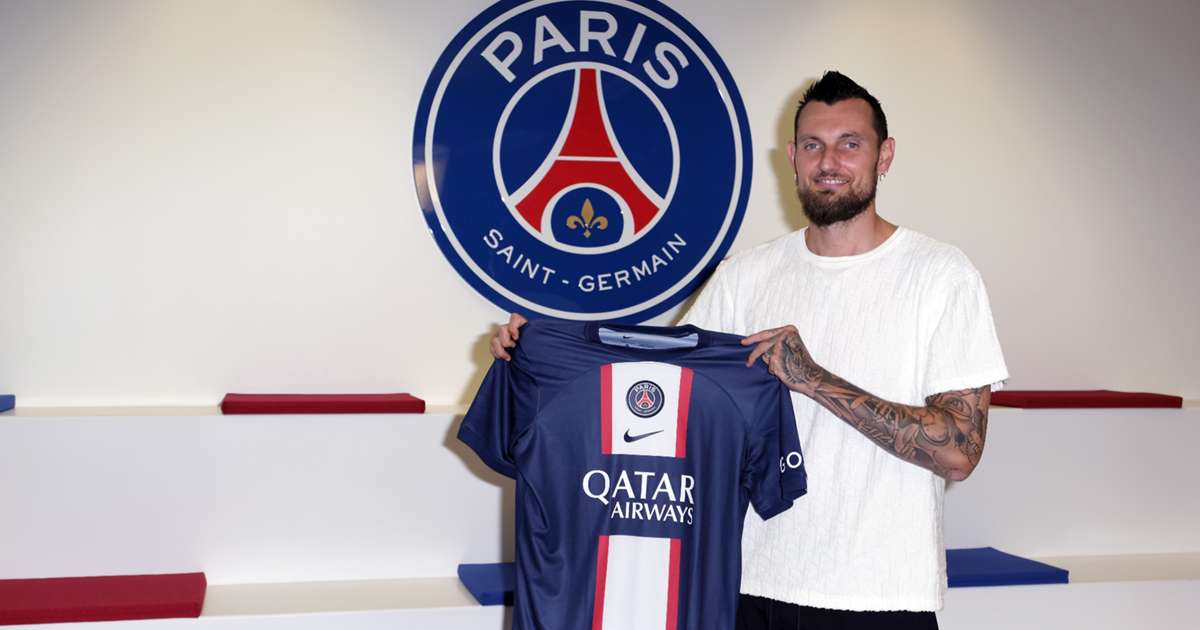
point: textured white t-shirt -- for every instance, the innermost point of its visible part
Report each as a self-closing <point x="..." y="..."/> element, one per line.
<point x="903" y="321"/>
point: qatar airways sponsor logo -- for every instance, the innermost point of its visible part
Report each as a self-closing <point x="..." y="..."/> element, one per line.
<point x="643" y="495"/>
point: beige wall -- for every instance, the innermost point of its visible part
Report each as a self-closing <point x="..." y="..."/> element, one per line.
<point x="200" y="197"/>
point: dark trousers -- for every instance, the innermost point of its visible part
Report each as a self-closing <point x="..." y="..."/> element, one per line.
<point x="760" y="613"/>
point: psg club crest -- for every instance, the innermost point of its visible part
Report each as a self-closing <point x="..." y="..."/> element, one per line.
<point x="644" y="399"/>
<point x="582" y="159"/>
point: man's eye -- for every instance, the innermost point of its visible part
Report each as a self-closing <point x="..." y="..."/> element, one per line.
<point x="810" y="146"/>
<point x="852" y="145"/>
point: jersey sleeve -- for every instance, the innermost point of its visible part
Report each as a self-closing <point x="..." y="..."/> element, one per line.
<point x="497" y="415"/>
<point x="776" y="474"/>
<point x="964" y="351"/>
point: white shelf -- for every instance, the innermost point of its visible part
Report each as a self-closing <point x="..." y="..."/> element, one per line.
<point x="1129" y="567"/>
<point x="328" y="597"/>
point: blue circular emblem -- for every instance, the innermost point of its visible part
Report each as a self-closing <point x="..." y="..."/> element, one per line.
<point x="582" y="159"/>
<point x="644" y="399"/>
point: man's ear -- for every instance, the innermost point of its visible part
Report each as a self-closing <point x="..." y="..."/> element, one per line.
<point x="887" y="151"/>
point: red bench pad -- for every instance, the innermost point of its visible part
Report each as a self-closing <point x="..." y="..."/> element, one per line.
<point x="321" y="403"/>
<point x="104" y="598"/>
<point x="1079" y="399"/>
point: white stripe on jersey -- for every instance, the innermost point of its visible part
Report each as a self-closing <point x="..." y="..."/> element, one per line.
<point x="635" y="435"/>
<point x="638" y="584"/>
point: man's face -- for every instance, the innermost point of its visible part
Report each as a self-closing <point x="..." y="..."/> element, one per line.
<point x="837" y="158"/>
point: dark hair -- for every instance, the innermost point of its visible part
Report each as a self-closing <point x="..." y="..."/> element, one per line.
<point x="835" y="87"/>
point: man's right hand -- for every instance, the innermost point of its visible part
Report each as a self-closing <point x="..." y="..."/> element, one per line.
<point x="506" y="335"/>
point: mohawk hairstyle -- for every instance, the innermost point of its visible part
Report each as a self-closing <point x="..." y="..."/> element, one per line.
<point x="835" y="87"/>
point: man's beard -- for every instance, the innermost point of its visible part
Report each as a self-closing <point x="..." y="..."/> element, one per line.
<point x="823" y="209"/>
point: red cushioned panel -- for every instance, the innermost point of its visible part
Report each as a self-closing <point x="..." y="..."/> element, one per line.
<point x="1079" y="399"/>
<point x="322" y="403"/>
<point x="106" y="598"/>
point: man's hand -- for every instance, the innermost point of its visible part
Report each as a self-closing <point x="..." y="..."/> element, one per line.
<point x="505" y="336"/>
<point x="786" y="356"/>
<point x="945" y="436"/>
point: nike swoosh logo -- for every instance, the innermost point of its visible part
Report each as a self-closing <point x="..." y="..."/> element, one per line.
<point x="634" y="438"/>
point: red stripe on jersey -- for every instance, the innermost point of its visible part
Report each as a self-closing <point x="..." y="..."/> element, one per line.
<point x="606" y="409"/>
<point x="673" y="587"/>
<point x="601" y="576"/>
<point x="685" y="396"/>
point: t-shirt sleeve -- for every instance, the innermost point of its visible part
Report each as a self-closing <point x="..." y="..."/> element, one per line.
<point x="964" y="350"/>
<point x="776" y="474"/>
<point x="494" y="420"/>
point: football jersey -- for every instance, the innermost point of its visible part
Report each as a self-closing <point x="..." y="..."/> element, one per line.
<point x="636" y="451"/>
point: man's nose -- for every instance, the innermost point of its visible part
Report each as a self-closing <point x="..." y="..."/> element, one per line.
<point x="828" y="161"/>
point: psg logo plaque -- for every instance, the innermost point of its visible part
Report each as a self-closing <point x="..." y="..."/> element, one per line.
<point x="583" y="160"/>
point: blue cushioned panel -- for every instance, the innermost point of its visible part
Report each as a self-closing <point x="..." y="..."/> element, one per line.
<point x="7" y="401"/>
<point x="491" y="584"/>
<point x="985" y="566"/>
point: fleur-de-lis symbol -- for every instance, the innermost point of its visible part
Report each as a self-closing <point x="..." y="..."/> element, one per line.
<point x="587" y="220"/>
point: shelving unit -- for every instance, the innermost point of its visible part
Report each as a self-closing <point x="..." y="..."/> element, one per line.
<point x="295" y="519"/>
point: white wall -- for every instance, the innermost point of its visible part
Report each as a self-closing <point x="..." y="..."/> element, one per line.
<point x="201" y="197"/>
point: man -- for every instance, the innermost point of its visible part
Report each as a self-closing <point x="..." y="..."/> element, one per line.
<point x="885" y="336"/>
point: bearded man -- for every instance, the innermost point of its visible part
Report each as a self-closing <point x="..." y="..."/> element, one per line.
<point x="885" y="337"/>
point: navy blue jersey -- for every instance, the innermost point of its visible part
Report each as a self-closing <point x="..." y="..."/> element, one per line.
<point x="636" y="451"/>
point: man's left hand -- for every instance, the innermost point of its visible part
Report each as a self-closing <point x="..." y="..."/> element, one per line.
<point x="786" y="357"/>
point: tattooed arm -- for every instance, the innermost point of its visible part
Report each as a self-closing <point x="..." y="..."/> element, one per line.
<point x="945" y="436"/>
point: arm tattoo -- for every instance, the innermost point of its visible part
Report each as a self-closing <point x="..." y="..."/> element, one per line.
<point x="946" y="435"/>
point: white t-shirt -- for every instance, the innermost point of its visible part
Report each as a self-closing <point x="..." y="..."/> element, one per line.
<point x="903" y="321"/>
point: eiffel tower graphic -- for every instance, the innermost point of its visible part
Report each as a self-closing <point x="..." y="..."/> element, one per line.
<point x="588" y="155"/>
